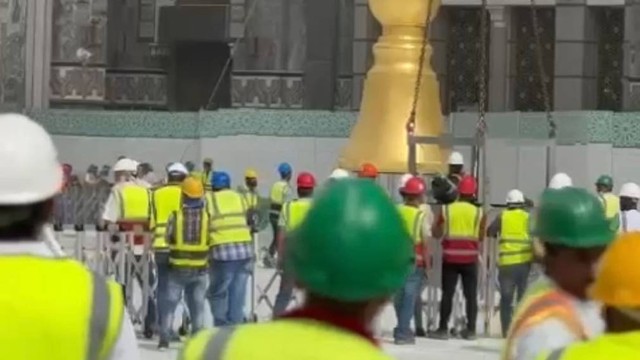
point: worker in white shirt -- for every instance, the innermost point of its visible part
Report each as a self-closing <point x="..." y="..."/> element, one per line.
<point x="38" y="284"/>
<point x="629" y="214"/>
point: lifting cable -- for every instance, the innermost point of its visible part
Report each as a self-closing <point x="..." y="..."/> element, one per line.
<point x="552" y="127"/>
<point x="411" y="122"/>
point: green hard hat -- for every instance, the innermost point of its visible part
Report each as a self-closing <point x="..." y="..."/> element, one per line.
<point x="572" y="217"/>
<point x="352" y="246"/>
<point x="605" y="180"/>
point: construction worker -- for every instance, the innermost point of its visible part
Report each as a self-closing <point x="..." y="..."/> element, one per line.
<point x="555" y="310"/>
<point x="629" y="214"/>
<point x="617" y="288"/>
<point x="368" y="171"/>
<point x="559" y="181"/>
<point x="192" y="169"/>
<point x="252" y="198"/>
<point x="207" y="171"/>
<point x="611" y="203"/>
<point x="231" y="251"/>
<point x="52" y="307"/>
<point x="292" y="215"/>
<point x="188" y="231"/>
<point x="165" y="200"/>
<point x="418" y="225"/>
<point x="456" y="167"/>
<point x="350" y="255"/>
<point x="515" y="253"/>
<point x="129" y="206"/>
<point x="460" y="225"/>
<point x="280" y="193"/>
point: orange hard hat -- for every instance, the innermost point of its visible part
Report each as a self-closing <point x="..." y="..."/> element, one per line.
<point x="414" y="186"/>
<point x="368" y="170"/>
<point x="467" y="186"/>
<point x="306" y="180"/>
<point x="618" y="279"/>
<point x="192" y="188"/>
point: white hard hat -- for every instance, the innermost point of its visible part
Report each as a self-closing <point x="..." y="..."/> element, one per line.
<point x="178" y="168"/>
<point x="339" y="174"/>
<point x="403" y="180"/>
<point x="559" y="181"/>
<point x="33" y="173"/>
<point x="630" y="190"/>
<point x="125" y="165"/>
<point x="456" y="158"/>
<point x="515" y="196"/>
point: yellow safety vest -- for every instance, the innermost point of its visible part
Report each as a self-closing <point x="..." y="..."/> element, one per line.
<point x="295" y="212"/>
<point x="165" y="201"/>
<point x="278" y="195"/>
<point x="413" y="219"/>
<point x="56" y="309"/>
<point x="190" y="253"/>
<point x="228" y="218"/>
<point x="460" y="243"/>
<point x="516" y="246"/>
<point x="251" y="198"/>
<point x="611" y="205"/>
<point x="542" y="302"/>
<point x="608" y="346"/>
<point x="280" y="340"/>
<point x="134" y="203"/>
<point x="205" y="177"/>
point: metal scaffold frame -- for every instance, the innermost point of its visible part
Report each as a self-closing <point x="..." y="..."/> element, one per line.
<point x="488" y="259"/>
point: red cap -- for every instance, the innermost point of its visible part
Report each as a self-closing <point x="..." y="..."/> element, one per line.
<point x="306" y="181"/>
<point x="468" y="186"/>
<point x="414" y="186"/>
<point x="368" y="170"/>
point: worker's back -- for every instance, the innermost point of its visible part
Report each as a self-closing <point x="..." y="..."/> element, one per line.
<point x="610" y="346"/>
<point x="56" y="309"/>
<point x="282" y="340"/>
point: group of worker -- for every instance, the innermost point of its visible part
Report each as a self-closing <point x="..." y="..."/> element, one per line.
<point x="350" y="250"/>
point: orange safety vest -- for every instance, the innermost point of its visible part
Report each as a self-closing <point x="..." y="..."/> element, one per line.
<point x="543" y="302"/>
<point x="461" y="241"/>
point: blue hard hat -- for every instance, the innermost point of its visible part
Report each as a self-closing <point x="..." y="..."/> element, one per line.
<point x="220" y="180"/>
<point x="284" y="169"/>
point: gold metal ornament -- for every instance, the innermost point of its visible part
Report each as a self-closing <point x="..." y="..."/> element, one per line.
<point x="380" y="135"/>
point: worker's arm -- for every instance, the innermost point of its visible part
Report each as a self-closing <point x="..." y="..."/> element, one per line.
<point x="111" y="212"/>
<point x="426" y="236"/>
<point x="437" y="230"/>
<point x="483" y="226"/>
<point x="494" y="228"/>
<point x="170" y="234"/>
<point x="126" y="346"/>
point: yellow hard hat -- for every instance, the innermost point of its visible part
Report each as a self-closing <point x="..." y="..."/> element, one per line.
<point x="618" y="280"/>
<point x="251" y="173"/>
<point x="192" y="188"/>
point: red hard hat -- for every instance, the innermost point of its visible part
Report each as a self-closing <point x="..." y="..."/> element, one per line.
<point x="306" y="181"/>
<point x="467" y="186"/>
<point x="414" y="186"/>
<point x="368" y="170"/>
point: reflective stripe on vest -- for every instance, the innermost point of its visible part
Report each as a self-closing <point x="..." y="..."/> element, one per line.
<point x="278" y="195"/>
<point x="190" y="253"/>
<point x="228" y="218"/>
<point x="462" y="232"/>
<point x="273" y="341"/>
<point x="165" y="201"/>
<point x="134" y="203"/>
<point x="82" y="317"/>
<point x="542" y="302"/>
<point x="295" y="212"/>
<point x="413" y="219"/>
<point x="516" y="246"/>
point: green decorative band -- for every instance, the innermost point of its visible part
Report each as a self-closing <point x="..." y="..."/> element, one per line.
<point x="619" y="129"/>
